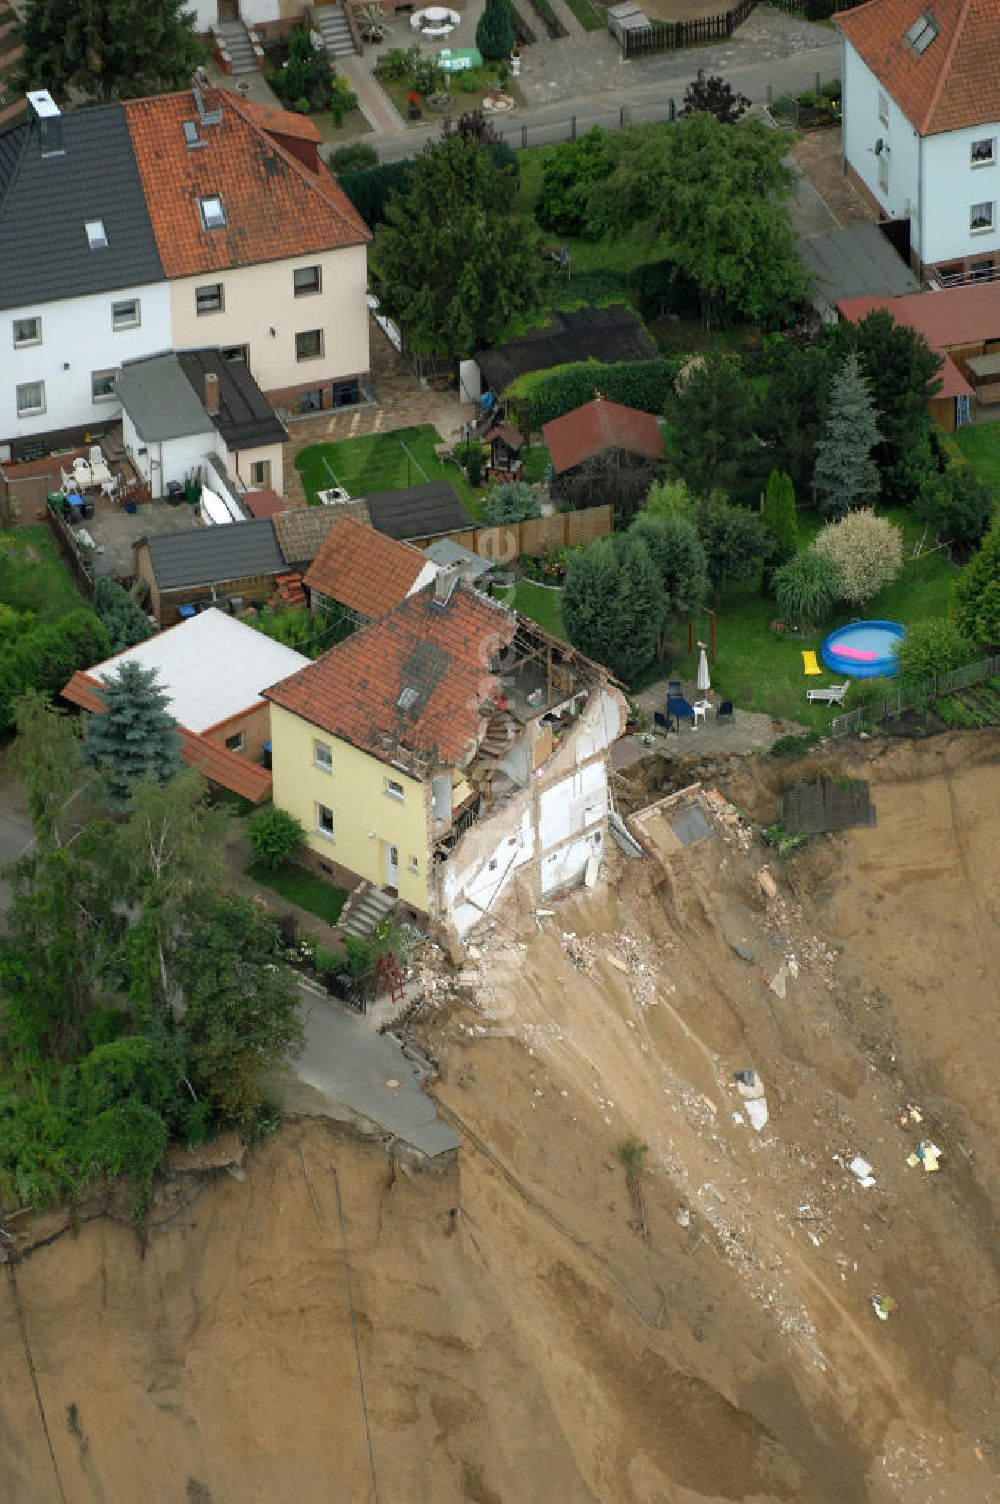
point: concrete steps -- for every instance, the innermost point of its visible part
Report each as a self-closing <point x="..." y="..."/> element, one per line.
<point x="331" y="23"/>
<point x="238" y="45"/>
<point x="363" y="914"/>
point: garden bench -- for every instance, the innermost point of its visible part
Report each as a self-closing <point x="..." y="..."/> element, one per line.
<point x="833" y="694"/>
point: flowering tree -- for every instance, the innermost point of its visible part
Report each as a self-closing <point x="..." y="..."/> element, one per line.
<point x="866" y="551"/>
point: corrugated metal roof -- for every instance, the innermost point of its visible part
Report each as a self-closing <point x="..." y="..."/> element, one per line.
<point x="45" y="201"/>
<point x="212" y="555"/>
<point x="158" y="398"/>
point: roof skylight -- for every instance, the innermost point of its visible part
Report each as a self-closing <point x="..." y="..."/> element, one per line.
<point x="922" y="33"/>
<point x="407" y="698"/>
<point x="213" y="215"/>
<point x="97" y="235"/>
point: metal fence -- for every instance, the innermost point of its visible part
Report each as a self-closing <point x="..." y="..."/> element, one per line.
<point x="548" y="132"/>
<point x="907" y="697"/>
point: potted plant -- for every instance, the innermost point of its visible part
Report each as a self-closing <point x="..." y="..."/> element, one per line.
<point x="371" y="23"/>
<point x="413" y="105"/>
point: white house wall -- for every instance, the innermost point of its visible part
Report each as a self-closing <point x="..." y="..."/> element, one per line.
<point x="901" y="197"/>
<point x="951" y="186"/>
<point x="470" y="887"/>
<point x="206" y="13"/>
<point x="78" y="338"/>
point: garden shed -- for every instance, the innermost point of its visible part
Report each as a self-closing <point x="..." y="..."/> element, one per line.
<point x="603" y="451"/>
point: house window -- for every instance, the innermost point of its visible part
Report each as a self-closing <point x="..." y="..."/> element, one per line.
<point x="30" y="398"/>
<point x="235" y="743"/>
<point x="311" y="401"/>
<point x="306" y="280"/>
<point x="883" y="172"/>
<point x="209" y="299"/>
<point x="394" y="789"/>
<point x="414" y="865"/>
<point x="125" y="315"/>
<point x="213" y="215"/>
<point x="981" y="218"/>
<point x="922" y="33"/>
<point x="883" y="107"/>
<point x="309" y="344"/>
<point x="981" y="271"/>
<point x="323" y="756"/>
<point x="983" y="153"/>
<point x="324" y="821"/>
<point x="27" y="332"/>
<point x="102" y="386"/>
<point x="97" y="235"/>
<point x="345" y="393"/>
<point x="236" y="352"/>
<point x="260" y="473"/>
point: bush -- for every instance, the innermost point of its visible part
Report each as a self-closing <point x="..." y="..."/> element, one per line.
<point x="48" y="655"/>
<point x="957" y="505"/>
<point x="426" y="75"/>
<point x="275" y="836"/>
<point x="514" y="501"/>
<point x="494" y="32"/>
<point x="354" y="158"/>
<point x="394" y="65"/>
<point x="794" y="746"/>
<point x="544" y="395"/>
<point x="569" y="174"/>
<point x="866" y="551"/>
<point x="306" y="79"/>
<point x="805" y="588"/>
<point x="121" y="618"/>
<point x="370" y="189"/>
<point x="977" y="592"/>
<point x="931" y="647"/>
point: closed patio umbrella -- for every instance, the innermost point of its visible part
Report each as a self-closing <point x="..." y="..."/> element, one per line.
<point x="704" y="682"/>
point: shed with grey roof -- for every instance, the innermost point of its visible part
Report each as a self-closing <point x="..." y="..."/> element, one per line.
<point x="160" y="400"/>
<point x="215" y="564"/>
<point x="418" y="513"/>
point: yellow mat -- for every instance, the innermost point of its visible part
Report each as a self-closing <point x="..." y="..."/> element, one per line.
<point x="809" y="664"/>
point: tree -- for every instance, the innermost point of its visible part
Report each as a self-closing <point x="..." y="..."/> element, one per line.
<point x="275" y="837"/>
<point x="678" y="557"/>
<point x="240" y="1013"/>
<point x="109" y="49"/>
<point x="46" y="655"/>
<point x="805" y="588"/>
<point x="136" y="738"/>
<point x="718" y="196"/>
<point x="958" y="506"/>
<point x="670" y="498"/>
<point x="711" y="443"/>
<point x="866" y="551"/>
<point x="846" y="475"/>
<point x="511" y="501"/>
<point x="790" y="418"/>
<point x="779" y="518"/>
<point x="569" y="174"/>
<point x="494" y="32"/>
<point x="452" y="263"/>
<point x="933" y="646"/>
<point x="305" y="79"/>
<point x="47" y="756"/>
<point x="612" y="605"/>
<point x="977" y="592"/>
<point x="124" y="621"/>
<point x="902" y="373"/>
<point x="734" y="541"/>
<point x="715" y="97"/>
<point x="371" y="189"/>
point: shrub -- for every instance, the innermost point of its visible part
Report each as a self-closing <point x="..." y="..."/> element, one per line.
<point x="794" y="746"/>
<point x="494" y="32"/>
<point x="394" y="65"/>
<point x="121" y="618"/>
<point x="543" y="395"/>
<point x="514" y="501"/>
<point x="957" y="505"/>
<point x="275" y="836"/>
<point x="805" y="588"/>
<point x="426" y="75"/>
<point x="354" y="158"/>
<point x="568" y="175"/>
<point x="305" y="79"/>
<point x="371" y="188"/>
<point x="934" y="646"/>
<point x="866" y="550"/>
<point x="977" y="592"/>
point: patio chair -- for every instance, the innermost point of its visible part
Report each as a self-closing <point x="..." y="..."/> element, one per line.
<point x="663" y="723"/>
<point x="809" y="664"/>
<point x="674" y="688"/>
<point x="724" y="711"/>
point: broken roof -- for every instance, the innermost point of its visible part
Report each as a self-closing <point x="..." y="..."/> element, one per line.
<point x="364" y="570"/>
<point x="432" y="656"/>
<point x="940" y="61"/>
<point x="595" y="428"/>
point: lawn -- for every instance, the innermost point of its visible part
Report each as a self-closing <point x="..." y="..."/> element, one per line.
<point x="33" y="576"/>
<point x="540" y="603"/>
<point x="383" y="462"/>
<point x="980" y="444"/>
<point x="304" y="889"/>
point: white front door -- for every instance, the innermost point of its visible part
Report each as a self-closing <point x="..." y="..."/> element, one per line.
<point x="391" y="866"/>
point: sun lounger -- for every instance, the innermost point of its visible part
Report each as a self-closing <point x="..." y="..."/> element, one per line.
<point x="809" y="664"/>
<point x="832" y="694"/>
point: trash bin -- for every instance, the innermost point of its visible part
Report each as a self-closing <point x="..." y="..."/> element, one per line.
<point x="267" y="754"/>
<point x="57" y="502"/>
<point x="175" y="493"/>
<point x="186" y="612"/>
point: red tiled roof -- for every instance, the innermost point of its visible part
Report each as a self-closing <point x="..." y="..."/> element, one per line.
<point x="275" y="207"/>
<point x="364" y="570"/>
<point x="954" y="82"/>
<point x="228" y="769"/>
<point x="263" y="502"/>
<point x="598" y="426"/>
<point x="440" y="652"/>
<point x="948" y="319"/>
<point x="279" y="122"/>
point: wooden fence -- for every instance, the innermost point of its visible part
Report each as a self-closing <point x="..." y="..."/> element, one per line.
<point x="542" y="535"/>
<point x="667" y="36"/>
<point x="909" y="696"/>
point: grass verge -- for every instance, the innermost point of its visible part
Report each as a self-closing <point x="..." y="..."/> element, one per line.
<point x="541" y="604"/>
<point x="304" y="889"/>
<point x="980" y="444"/>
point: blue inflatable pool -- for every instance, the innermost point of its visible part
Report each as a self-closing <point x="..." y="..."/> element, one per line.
<point x="864" y="649"/>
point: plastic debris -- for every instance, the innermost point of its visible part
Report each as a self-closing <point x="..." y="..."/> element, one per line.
<point x="910" y="1114"/>
<point x="928" y="1154"/>
<point x="767" y="882"/>
<point x="683" y="1217"/>
<point x="749" y="1085"/>
<point x="883" y="1306"/>
<point x="778" y="981"/>
<point x="862" y="1171"/>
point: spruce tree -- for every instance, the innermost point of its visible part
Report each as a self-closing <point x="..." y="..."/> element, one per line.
<point x="135" y="740"/>
<point x="494" y="33"/>
<point x="846" y="475"/>
<point x="778" y="514"/>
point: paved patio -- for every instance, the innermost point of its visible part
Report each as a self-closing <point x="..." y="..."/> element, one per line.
<point x="749" y="731"/>
<point x="114" y="531"/>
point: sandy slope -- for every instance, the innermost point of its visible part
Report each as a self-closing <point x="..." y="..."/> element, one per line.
<point x="520" y="1339"/>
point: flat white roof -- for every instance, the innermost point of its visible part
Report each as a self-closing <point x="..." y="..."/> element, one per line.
<point x="212" y="667"/>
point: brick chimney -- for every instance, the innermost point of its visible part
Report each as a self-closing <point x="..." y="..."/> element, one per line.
<point x="211" y="394"/>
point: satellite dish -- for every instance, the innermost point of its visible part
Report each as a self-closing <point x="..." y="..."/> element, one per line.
<point x="879" y="147"/>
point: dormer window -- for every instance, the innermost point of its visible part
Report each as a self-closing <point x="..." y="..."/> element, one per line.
<point x="922" y="33"/>
<point x="97" y="235"/>
<point x="213" y="215"/>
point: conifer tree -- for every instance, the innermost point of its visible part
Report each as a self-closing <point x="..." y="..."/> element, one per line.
<point x="846" y="475"/>
<point x="109" y="49"/>
<point x="778" y="515"/>
<point x="494" y="33"/>
<point x="135" y="740"/>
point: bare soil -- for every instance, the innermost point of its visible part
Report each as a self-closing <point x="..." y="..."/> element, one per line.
<point x="521" y="1339"/>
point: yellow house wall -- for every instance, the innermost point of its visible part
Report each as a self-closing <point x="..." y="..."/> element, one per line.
<point x="355" y="791"/>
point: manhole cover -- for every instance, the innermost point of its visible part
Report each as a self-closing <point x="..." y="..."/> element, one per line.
<point x="392" y="1083"/>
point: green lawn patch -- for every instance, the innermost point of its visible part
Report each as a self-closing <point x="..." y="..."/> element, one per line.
<point x="981" y="446"/>
<point x="33" y="576"/>
<point x="304" y="889"/>
<point x="586" y="14"/>
<point x="541" y="604"/>
<point x="383" y="462"/>
<point x="536" y="462"/>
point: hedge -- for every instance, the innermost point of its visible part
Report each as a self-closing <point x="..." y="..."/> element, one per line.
<point x="47" y="656"/>
<point x="543" y="395"/>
